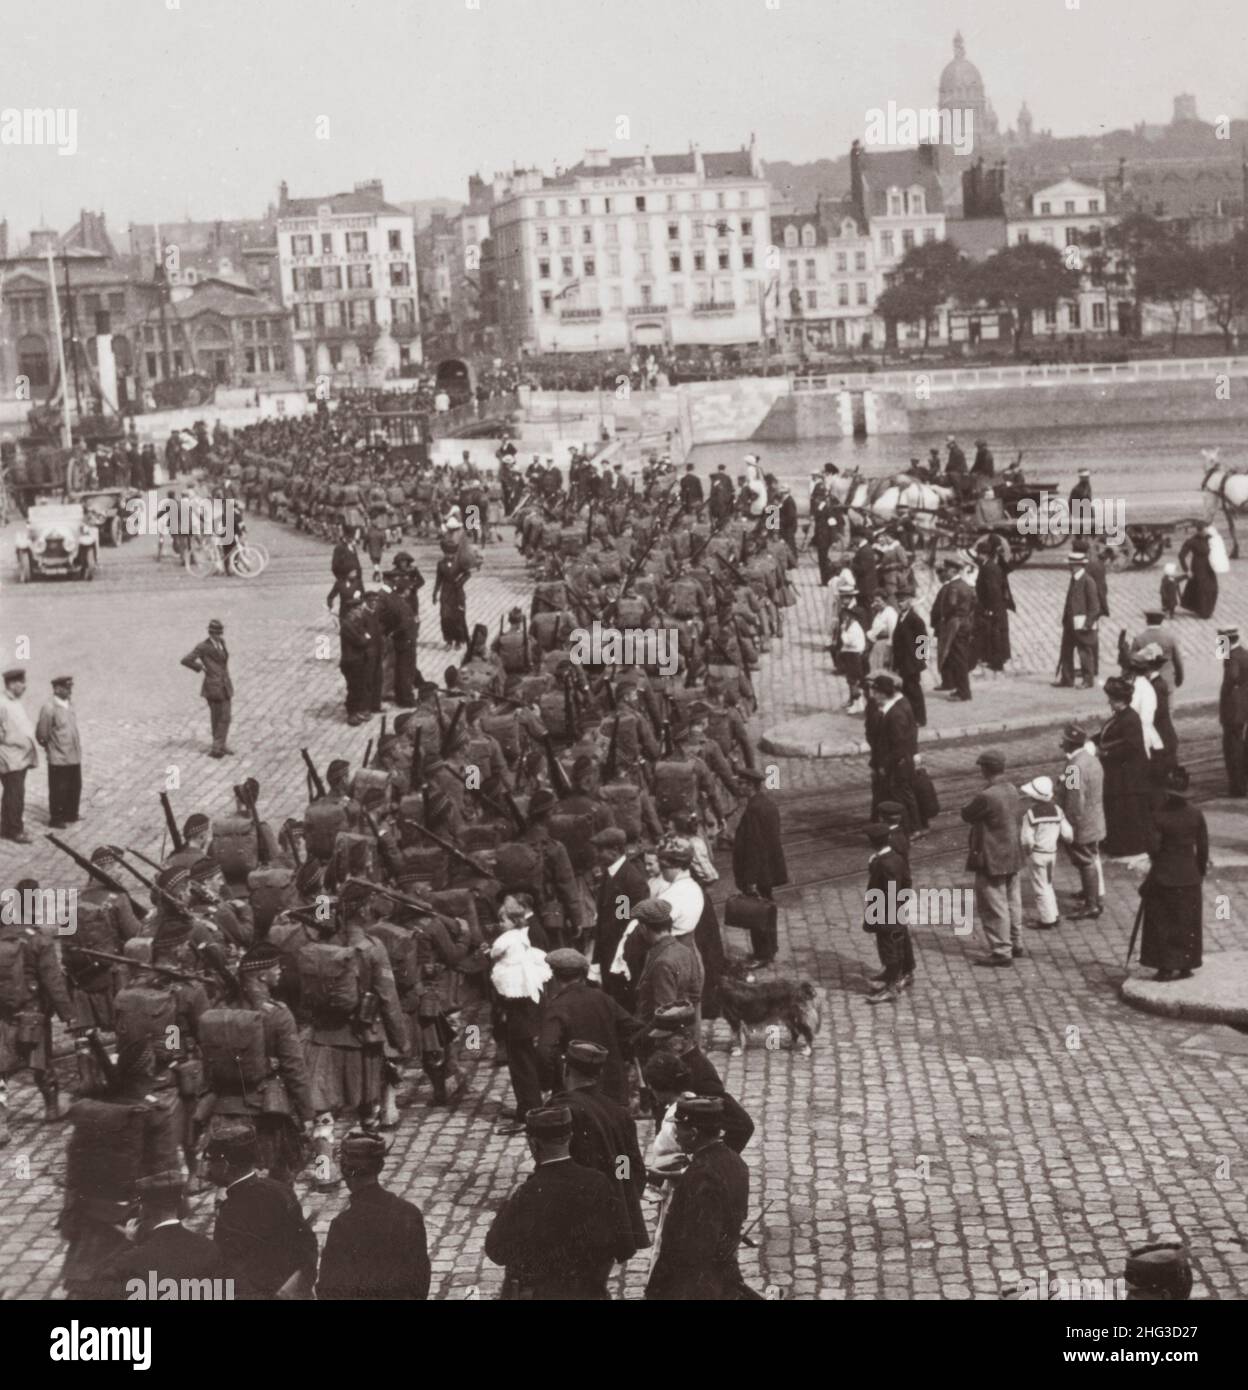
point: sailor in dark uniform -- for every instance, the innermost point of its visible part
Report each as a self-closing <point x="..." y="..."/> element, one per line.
<point x="697" y="1243"/>
<point x="376" y="1248"/>
<point x="559" y="1232"/>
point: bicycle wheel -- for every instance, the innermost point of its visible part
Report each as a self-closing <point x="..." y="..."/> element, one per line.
<point x="246" y="562"/>
<point x="261" y="550"/>
<point x="200" y="558"/>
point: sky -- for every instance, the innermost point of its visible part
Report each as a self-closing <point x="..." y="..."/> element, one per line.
<point x="201" y="107"/>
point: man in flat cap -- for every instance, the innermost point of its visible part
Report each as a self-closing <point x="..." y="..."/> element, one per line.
<point x="994" y="816"/>
<point x="260" y="1227"/>
<point x="559" y="1232"/>
<point x="211" y="659"/>
<point x="673" y="969"/>
<point x="1161" y="1272"/>
<point x="573" y="1008"/>
<point x="604" y="1133"/>
<point x="376" y="1249"/>
<point x="17" y="756"/>
<point x="758" y="863"/>
<point x="697" y="1246"/>
<point x="57" y="734"/>
<point x="1232" y="710"/>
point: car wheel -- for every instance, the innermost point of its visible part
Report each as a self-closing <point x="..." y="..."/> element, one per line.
<point x="23" y="567"/>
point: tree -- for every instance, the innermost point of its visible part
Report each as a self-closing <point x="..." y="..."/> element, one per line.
<point x="1022" y="279"/>
<point x="1154" y="259"/>
<point x="1221" y="274"/>
<point x="925" y="277"/>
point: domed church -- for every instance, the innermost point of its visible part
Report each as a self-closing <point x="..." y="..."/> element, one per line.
<point x="962" y="89"/>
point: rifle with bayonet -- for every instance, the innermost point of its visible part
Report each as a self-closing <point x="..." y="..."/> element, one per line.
<point x="100" y="875"/>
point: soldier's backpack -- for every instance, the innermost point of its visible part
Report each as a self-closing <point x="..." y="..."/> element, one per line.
<point x="370" y="785"/>
<point x="329" y="978"/>
<point x="675" y="788"/>
<point x="571" y="540"/>
<point x="234" y="846"/>
<point x="551" y="629"/>
<point x="513" y="653"/>
<point x="720" y="729"/>
<point x="554" y="713"/>
<point x="271" y="888"/>
<point x="552" y="660"/>
<point x="460" y="903"/>
<point x="610" y="564"/>
<point x="104" y="1156"/>
<point x="235" y="1055"/>
<point x="14" y="993"/>
<point x="631" y="611"/>
<point x="478" y="753"/>
<point x="627" y="742"/>
<point x="401" y="950"/>
<point x="97" y="929"/>
<point x="519" y="867"/>
<point x="533" y="687"/>
<point x="144" y="1015"/>
<point x="682" y="543"/>
<point x="355" y="856"/>
<point x="549" y="596"/>
<point x="624" y="800"/>
<point x="574" y="830"/>
<point x="426" y="862"/>
<point x="484" y="835"/>
<point x="506" y="729"/>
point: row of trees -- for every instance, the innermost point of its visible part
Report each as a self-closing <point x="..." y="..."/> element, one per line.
<point x="1139" y="258"/>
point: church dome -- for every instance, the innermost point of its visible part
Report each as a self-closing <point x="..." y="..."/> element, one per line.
<point x="960" y="82"/>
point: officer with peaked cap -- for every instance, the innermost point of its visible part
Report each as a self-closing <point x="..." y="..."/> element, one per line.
<point x="697" y="1246"/>
<point x="559" y="1232"/>
<point x="604" y="1133"/>
<point x="376" y="1248"/>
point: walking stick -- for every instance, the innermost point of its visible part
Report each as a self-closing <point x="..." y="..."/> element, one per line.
<point x="1139" y="921"/>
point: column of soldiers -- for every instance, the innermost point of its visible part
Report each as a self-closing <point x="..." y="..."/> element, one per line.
<point x="262" y="1003"/>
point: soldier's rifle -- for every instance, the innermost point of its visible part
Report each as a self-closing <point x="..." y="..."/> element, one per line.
<point x="172" y="971"/>
<point x="100" y="875"/>
<point x="262" y="849"/>
<point x="452" y="849"/>
<point x="559" y="780"/>
<point x="103" y="1058"/>
<point x="521" y="824"/>
<point x="138" y="854"/>
<point x="404" y="899"/>
<point x="314" y="776"/>
<point x="175" y="835"/>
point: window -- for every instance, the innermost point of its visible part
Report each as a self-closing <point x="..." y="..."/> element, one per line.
<point x="1098" y="316"/>
<point x="547" y="298"/>
<point x="301" y="246"/>
<point x="614" y="267"/>
<point x="606" y="205"/>
<point x="812" y="299"/>
<point x="332" y="317"/>
<point x="543" y="268"/>
<point x="563" y="207"/>
<point x="584" y="207"/>
<point x="886" y="246"/>
<point x="361" y="312"/>
<point x="617" y="299"/>
<point x="747" y="258"/>
<point x="1045" y="208"/>
<point x="918" y="202"/>
<point x="670" y="202"/>
<point x="335" y="356"/>
<point x="792" y="270"/>
<point x="699" y="260"/>
<point x="299" y="279"/>
<point x="639" y="202"/>
<point x="541" y="207"/>
<point x="929" y="234"/>
<point x="1094" y="205"/>
<point x="588" y="265"/>
<point x="647" y="294"/>
<point x="808" y="235"/>
<point x="673" y="231"/>
<point x="790" y="236"/>
<point x="723" y="261"/>
<point x="698" y="229"/>
<point x="842" y="294"/>
<point x="678" y="295"/>
<point x="357" y="241"/>
<point x="747" y="226"/>
<point x="178" y="365"/>
<point x="842" y="262"/>
<point x="751" y="291"/>
<point x="1070" y="205"/>
<point x="400" y="274"/>
<point x="1047" y="233"/>
<point x="895" y="205"/>
<point x="673" y="263"/>
<point x="565" y="236"/>
<point x="262" y="329"/>
<point x="151" y="370"/>
<point x="744" y="197"/>
<point x="643" y="262"/>
<point x="723" y="291"/>
<point x="394" y="239"/>
<point x="811" y="273"/>
<point x="720" y="201"/>
<point x="1072" y="316"/>
<point x="862" y="291"/>
<point x="117" y="303"/>
<point x="1050" y="316"/>
<point x="331" y="277"/>
<point x="543" y="236"/>
<point x="359" y="277"/>
<point x="91" y="305"/>
<point x="1024" y="237"/>
<point x="1072" y="236"/>
<point x="860" y="260"/>
<point x="641" y="230"/>
<point x="249" y="330"/>
<point x="250" y="358"/>
<point x="907" y="241"/>
<point x="565" y="266"/>
<point x="613" y="233"/>
<point x="587" y="236"/>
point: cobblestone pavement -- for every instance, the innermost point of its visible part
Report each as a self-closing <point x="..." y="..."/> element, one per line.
<point x="992" y="1125"/>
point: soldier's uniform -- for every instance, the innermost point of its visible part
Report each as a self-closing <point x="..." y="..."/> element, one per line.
<point x="94" y="983"/>
<point x="32" y="988"/>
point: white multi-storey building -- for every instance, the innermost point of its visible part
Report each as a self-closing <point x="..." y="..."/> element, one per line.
<point x="651" y="249"/>
<point x="827" y="284"/>
<point x="348" y="273"/>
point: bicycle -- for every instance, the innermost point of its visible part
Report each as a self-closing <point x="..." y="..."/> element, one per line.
<point x="205" y="556"/>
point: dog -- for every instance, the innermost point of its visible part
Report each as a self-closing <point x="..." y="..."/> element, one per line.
<point x="748" y="1003"/>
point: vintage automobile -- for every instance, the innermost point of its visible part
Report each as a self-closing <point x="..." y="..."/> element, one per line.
<point x="107" y="511"/>
<point x="58" y="539"/>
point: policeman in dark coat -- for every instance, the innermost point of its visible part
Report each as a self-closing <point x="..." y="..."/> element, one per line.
<point x="894" y="744"/>
<point x="376" y="1249"/>
<point x="559" y="1232"/>
<point x="697" y="1257"/>
<point x="984" y="465"/>
<point x="260" y="1227"/>
<point x="758" y="856"/>
<point x="672" y="1033"/>
<point x="604" y="1134"/>
<point x="690" y="489"/>
<point x="821" y="518"/>
<point x="355" y="658"/>
<point x="573" y="1008"/>
<point x="886" y="918"/>
<point x="910" y="645"/>
<point x="1233" y="711"/>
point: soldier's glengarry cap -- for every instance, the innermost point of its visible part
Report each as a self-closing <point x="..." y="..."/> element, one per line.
<point x="106" y="854"/>
<point x="195" y="824"/>
<point x="541" y="801"/>
<point x="204" y="869"/>
<point x="260" y="957"/>
<point x="549" y="1121"/>
<point x="173" y="931"/>
<point x="586" y="1056"/>
<point x="566" y="961"/>
<point x="610" y="838"/>
<point x="698" y="709"/>
<point x="702" y="1112"/>
<point x="1163" y="1267"/>
<point x="173" y="878"/>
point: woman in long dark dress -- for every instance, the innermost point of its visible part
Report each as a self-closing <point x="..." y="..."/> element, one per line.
<point x="992" y="591"/>
<point x="1171" y="938"/>
<point x="448" y="593"/>
<point x="1125" y="762"/>
<point x="1200" y="593"/>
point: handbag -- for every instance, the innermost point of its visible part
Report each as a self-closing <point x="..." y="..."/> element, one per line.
<point x="749" y="912"/>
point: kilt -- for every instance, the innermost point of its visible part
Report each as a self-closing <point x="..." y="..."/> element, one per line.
<point x="344" y="1078"/>
<point x="93" y="1008"/>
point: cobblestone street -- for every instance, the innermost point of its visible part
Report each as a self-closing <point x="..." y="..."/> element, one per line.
<point x="991" y="1126"/>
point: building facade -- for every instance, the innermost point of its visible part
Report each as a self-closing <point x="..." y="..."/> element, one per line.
<point x="616" y="253"/>
<point x="828" y="282"/>
<point x="347" y="266"/>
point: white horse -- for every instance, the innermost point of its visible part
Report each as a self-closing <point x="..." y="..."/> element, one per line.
<point x="1227" y="487"/>
<point x="879" y="499"/>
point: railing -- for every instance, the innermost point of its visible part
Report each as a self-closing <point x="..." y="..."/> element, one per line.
<point x="1047" y="374"/>
<point x="637" y="310"/>
<point x="722" y="306"/>
<point x="580" y="313"/>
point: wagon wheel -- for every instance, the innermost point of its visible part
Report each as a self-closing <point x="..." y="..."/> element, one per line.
<point x="1051" y="540"/>
<point x="1122" y="557"/>
<point x="1022" y="548"/>
<point x="1148" y="543"/>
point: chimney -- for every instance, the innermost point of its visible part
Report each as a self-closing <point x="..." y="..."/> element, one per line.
<point x="648" y="161"/>
<point x="856" y="191"/>
<point x="929" y="157"/>
<point x="697" y="162"/>
<point x="370" y="186"/>
<point x="973" y="189"/>
<point x="283" y="195"/>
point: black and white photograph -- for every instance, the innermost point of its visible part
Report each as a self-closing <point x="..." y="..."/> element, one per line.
<point x="625" y="666"/>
